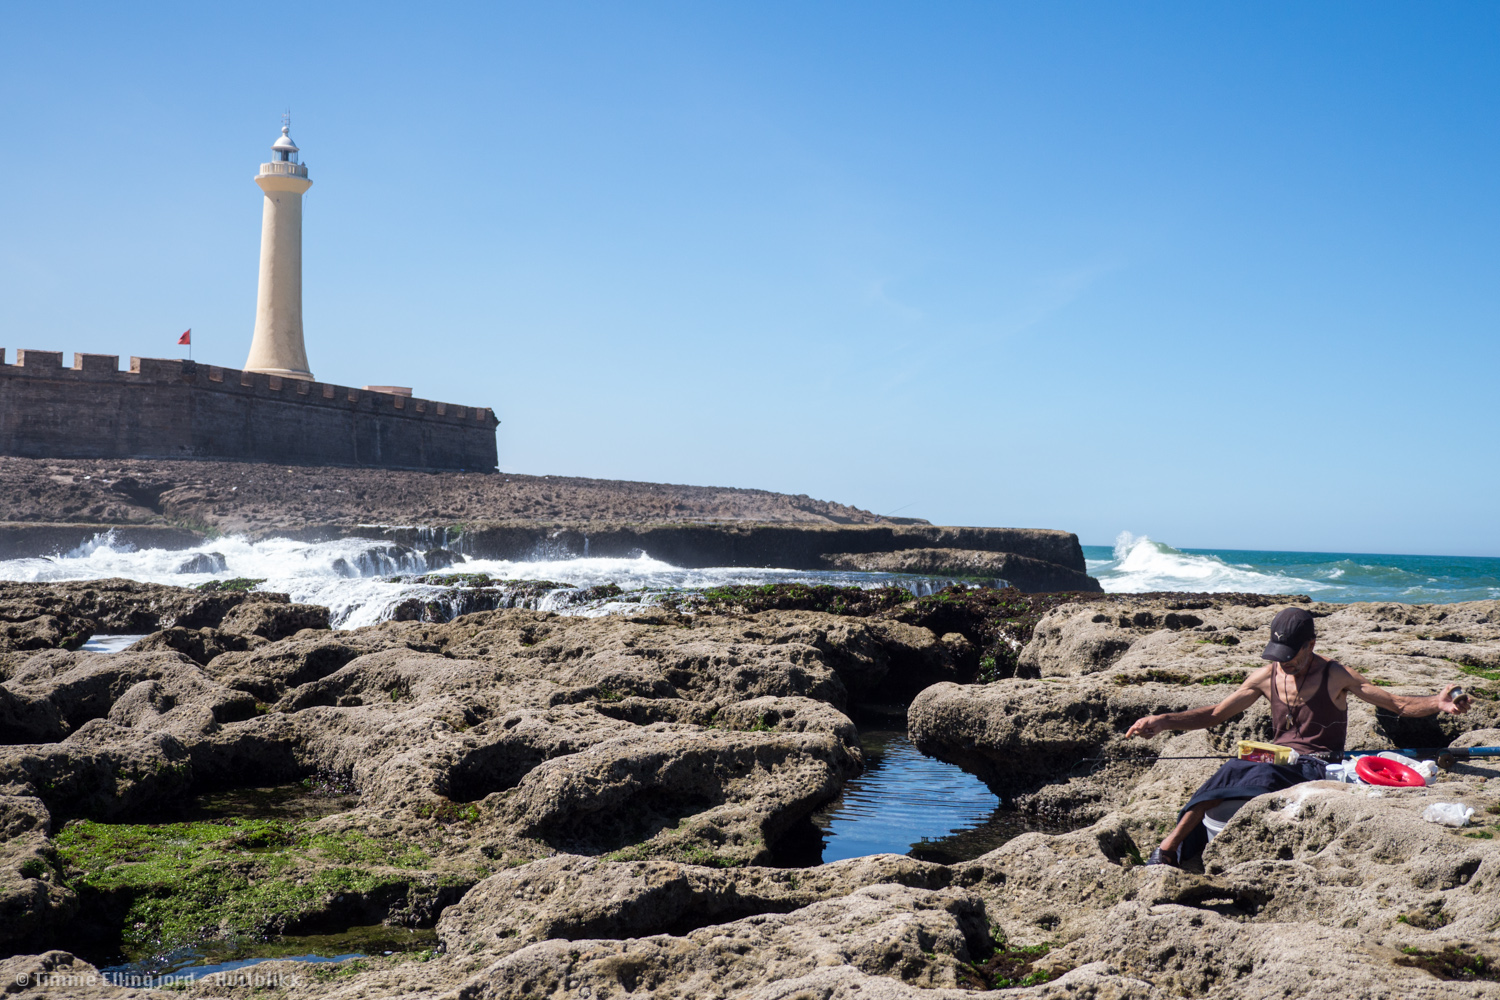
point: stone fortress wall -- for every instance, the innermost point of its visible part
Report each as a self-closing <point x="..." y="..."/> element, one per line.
<point x="171" y="408"/>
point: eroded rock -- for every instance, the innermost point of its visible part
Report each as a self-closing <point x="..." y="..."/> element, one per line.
<point x="585" y="805"/>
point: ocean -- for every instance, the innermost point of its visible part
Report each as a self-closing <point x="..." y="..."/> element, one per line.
<point x="362" y="581"/>
<point x="1138" y="564"/>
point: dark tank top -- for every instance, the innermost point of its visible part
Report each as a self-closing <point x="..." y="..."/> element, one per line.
<point x="1317" y="727"/>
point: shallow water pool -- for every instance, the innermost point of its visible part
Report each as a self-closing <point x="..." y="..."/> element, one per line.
<point x="909" y="803"/>
<point x="110" y="643"/>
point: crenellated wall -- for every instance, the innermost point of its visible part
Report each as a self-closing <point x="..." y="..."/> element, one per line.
<point x="170" y="408"/>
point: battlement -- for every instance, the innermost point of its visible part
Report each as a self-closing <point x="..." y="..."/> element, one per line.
<point x="173" y="408"/>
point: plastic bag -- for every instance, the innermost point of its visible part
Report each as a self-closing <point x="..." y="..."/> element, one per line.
<point x="1448" y="813"/>
<point x="1351" y="776"/>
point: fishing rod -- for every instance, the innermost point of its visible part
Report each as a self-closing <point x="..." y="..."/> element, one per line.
<point x="1416" y="753"/>
<point x="1143" y="759"/>
<point x="1420" y="752"/>
<point x="1432" y="753"/>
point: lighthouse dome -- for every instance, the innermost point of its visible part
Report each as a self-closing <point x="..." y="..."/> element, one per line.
<point x="284" y="144"/>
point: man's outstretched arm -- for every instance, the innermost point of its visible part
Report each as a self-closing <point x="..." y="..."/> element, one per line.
<point x="1201" y="718"/>
<point x="1407" y="705"/>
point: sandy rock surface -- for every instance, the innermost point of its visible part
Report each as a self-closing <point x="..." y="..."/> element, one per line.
<point x="243" y="496"/>
<point x="591" y="807"/>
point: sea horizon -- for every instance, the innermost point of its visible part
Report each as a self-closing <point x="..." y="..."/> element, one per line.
<point x="1140" y="564"/>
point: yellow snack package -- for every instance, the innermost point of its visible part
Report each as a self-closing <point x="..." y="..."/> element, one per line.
<point x="1268" y="753"/>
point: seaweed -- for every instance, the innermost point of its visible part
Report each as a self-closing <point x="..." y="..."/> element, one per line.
<point x="150" y="888"/>
<point x="238" y="585"/>
<point x="854" y="601"/>
<point x="1011" y="967"/>
<point x="1451" y="963"/>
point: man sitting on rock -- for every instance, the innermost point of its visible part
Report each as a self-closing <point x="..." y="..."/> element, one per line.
<point x="1309" y="713"/>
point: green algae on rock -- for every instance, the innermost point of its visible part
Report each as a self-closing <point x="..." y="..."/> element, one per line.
<point x="163" y="886"/>
<point x="752" y="598"/>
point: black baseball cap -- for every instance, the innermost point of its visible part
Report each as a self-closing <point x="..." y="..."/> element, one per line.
<point x="1290" y="631"/>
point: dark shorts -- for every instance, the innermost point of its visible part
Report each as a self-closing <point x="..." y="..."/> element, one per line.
<point x="1243" y="779"/>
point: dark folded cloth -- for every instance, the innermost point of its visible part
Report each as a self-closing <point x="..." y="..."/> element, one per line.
<point x="1244" y="779"/>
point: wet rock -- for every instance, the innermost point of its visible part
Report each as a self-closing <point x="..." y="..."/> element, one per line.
<point x="470" y="593"/>
<point x="1028" y="574"/>
<point x="435" y="559"/>
<point x="204" y="562"/>
<point x="378" y="559"/>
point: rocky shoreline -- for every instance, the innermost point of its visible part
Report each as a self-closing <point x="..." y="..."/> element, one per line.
<point x="53" y="506"/>
<point x="596" y="807"/>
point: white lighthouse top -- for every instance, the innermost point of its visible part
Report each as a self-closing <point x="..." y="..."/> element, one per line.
<point x="284" y="154"/>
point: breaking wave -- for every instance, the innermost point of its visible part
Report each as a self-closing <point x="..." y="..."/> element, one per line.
<point x="1142" y="565"/>
<point x="363" y="581"/>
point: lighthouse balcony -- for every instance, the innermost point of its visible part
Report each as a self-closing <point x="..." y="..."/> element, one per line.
<point x="283" y="167"/>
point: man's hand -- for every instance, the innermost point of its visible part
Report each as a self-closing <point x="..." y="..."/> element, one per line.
<point x="1145" y="727"/>
<point x="1446" y="702"/>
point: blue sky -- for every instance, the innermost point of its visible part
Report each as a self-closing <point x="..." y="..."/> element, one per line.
<point x="1220" y="273"/>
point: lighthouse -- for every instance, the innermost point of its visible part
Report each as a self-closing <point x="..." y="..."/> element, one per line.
<point x="277" y="348"/>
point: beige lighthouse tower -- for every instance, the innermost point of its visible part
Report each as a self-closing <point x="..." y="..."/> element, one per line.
<point x="277" y="347"/>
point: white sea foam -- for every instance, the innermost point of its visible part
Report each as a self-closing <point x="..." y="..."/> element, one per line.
<point x="353" y="577"/>
<point x="1142" y="565"/>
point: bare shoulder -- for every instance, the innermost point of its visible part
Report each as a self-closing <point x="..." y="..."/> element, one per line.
<point x="1259" y="679"/>
<point x="1342" y="677"/>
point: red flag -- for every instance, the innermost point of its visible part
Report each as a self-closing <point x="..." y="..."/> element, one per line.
<point x="187" y="336"/>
